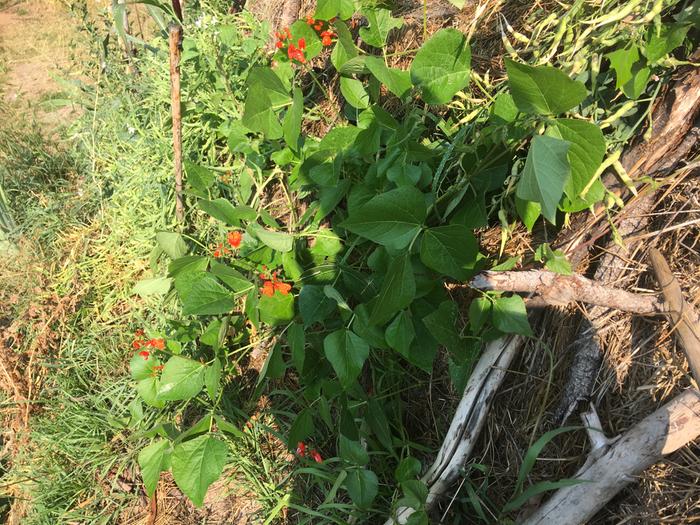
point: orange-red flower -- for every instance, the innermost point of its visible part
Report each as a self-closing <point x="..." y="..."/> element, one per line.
<point x="137" y="344"/>
<point x="282" y="288"/>
<point x="268" y="288"/>
<point x="158" y="344"/>
<point x="327" y="38"/>
<point x="301" y="449"/>
<point x="316" y="456"/>
<point x="302" y="44"/>
<point x="139" y="333"/>
<point x="144" y="354"/>
<point x="295" y="53"/>
<point x="234" y="238"/>
<point x="279" y="44"/>
<point x="310" y="20"/>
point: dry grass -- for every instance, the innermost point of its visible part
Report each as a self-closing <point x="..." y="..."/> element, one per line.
<point x="643" y="368"/>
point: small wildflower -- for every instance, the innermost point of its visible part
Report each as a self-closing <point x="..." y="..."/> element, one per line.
<point x="144" y="354"/>
<point x="295" y="53"/>
<point x="310" y="20"/>
<point x="159" y="368"/>
<point x="136" y="344"/>
<point x="279" y="44"/>
<point x="139" y="333"/>
<point x="302" y="44"/>
<point x="316" y="456"/>
<point x="288" y="33"/>
<point x="235" y="238"/>
<point x="301" y="449"/>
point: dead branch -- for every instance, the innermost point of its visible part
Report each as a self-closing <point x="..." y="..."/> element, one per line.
<point x="560" y="290"/>
<point x="471" y="413"/>
<point x="684" y="317"/>
<point x="669" y="428"/>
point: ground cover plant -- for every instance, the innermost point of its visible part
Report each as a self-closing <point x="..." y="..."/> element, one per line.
<point x="279" y="334"/>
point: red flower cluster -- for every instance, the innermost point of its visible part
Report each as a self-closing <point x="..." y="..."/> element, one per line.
<point x="323" y="30"/>
<point x="233" y="239"/>
<point x="272" y="284"/>
<point x="294" y="52"/>
<point x="301" y="451"/>
<point x="140" y="342"/>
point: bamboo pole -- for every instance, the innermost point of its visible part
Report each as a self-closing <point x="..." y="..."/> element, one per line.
<point x="175" y="32"/>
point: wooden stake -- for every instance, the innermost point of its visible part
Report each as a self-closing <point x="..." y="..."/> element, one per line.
<point x="175" y="31"/>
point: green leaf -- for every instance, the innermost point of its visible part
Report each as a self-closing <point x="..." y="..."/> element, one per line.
<point x="543" y="90"/>
<point x="380" y="25"/>
<point x="296" y="339"/>
<point x="302" y="428"/>
<point x="182" y="379"/>
<point x="276" y="310"/>
<point x="153" y="460"/>
<point x="441" y="325"/>
<point x="510" y="316"/>
<point x="450" y="250"/>
<point x="173" y="244"/>
<point x="397" y="292"/>
<point x="196" y="464"/>
<point x="479" y="311"/>
<point x="400" y="333"/>
<point x="362" y="486"/>
<point x="282" y="242"/>
<point x="212" y="378"/>
<point x="545" y="174"/>
<point x="327" y="9"/>
<point x="377" y="420"/>
<point x="207" y="297"/>
<point x="264" y="80"/>
<point x="392" y="218"/>
<point x="367" y="331"/>
<point x="415" y="494"/>
<point x="663" y="39"/>
<point x="353" y="451"/>
<point x="274" y="366"/>
<point x="354" y="92"/>
<point x="408" y="469"/>
<point x="314" y="305"/>
<point x="230" y="277"/>
<point x="188" y="264"/>
<point x="143" y="368"/>
<point x="396" y="80"/>
<point x="344" y="49"/>
<point x="223" y="210"/>
<point x="259" y="115"/>
<point x="529" y="211"/>
<point x="441" y="67"/>
<point x="300" y="29"/>
<point x="631" y="72"/>
<point x="586" y="151"/>
<point x="199" y="177"/>
<point x="347" y="353"/>
<point x="148" y="390"/>
<point x="155" y="286"/>
<point x="291" y="127"/>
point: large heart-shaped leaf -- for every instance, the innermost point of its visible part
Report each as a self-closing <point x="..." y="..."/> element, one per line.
<point x="396" y="80"/>
<point x="543" y="90"/>
<point x="392" y="218"/>
<point x="397" y="292"/>
<point x="586" y="151"/>
<point x="545" y="174"/>
<point x="154" y="459"/>
<point x="347" y="353"/>
<point x="380" y="25"/>
<point x="206" y="296"/>
<point x="182" y="379"/>
<point x="441" y="67"/>
<point x="362" y="486"/>
<point x="198" y="463"/>
<point x="450" y="250"/>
